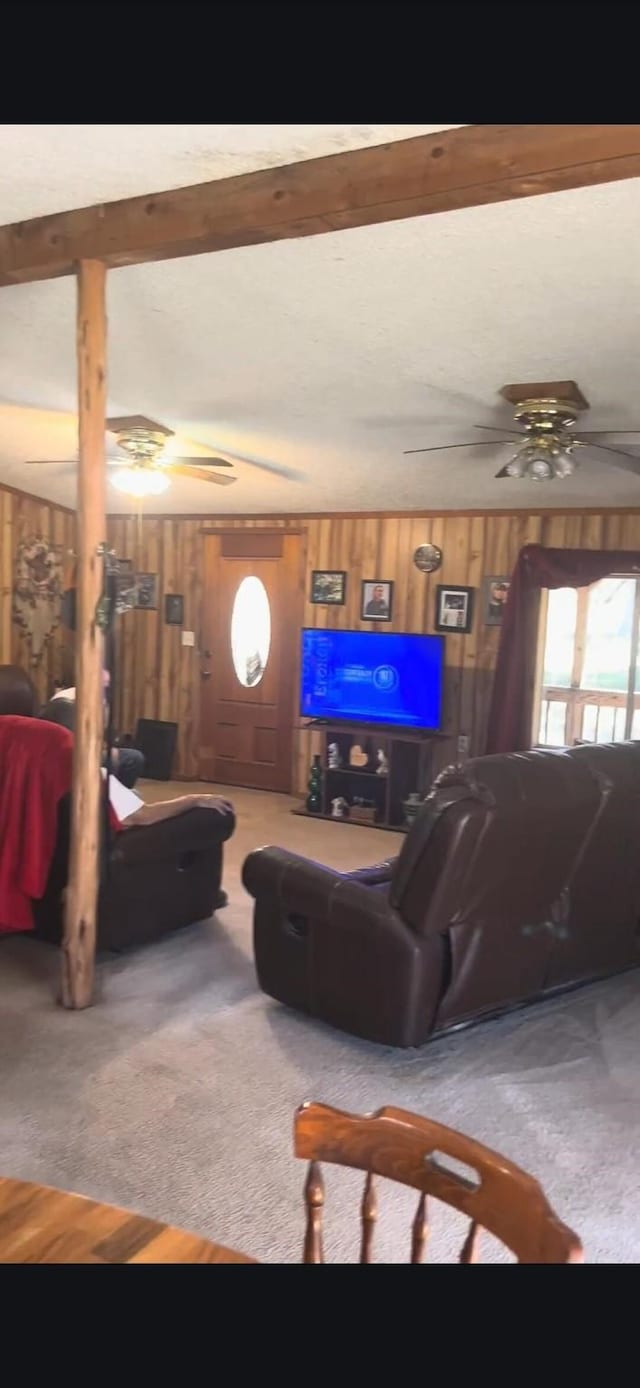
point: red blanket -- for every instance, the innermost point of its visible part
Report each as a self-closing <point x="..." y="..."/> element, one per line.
<point x="35" y="772"/>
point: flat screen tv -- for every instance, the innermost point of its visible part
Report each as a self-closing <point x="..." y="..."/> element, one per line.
<point x="372" y="677"/>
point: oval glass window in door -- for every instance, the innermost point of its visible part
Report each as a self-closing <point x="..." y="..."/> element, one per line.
<point x="250" y="631"/>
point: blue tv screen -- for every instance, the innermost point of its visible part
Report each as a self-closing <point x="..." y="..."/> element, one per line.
<point x="372" y="677"/>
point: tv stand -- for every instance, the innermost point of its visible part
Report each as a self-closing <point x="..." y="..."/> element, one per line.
<point x="408" y="753"/>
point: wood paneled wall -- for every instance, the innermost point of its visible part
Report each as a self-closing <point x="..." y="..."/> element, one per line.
<point x="159" y="678"/>
<point x="22" y="516"/>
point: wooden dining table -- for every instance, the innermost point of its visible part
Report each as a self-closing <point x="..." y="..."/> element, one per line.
<point x="41" y="1225"/>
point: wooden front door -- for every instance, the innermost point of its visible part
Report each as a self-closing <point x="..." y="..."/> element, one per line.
<point x="251" y="617"/>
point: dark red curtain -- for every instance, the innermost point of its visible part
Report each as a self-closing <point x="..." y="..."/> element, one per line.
<point x="510" y="715"/>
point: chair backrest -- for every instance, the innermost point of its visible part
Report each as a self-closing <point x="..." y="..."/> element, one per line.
<point x="401" y="1146"/>
<point x="497" y="838"/>
<point x="17" y="692"/>
<point x="604" y="901"/>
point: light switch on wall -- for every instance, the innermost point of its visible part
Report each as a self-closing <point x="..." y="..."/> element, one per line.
<point x="463" y="745"/>
<point x="188" y="638"/>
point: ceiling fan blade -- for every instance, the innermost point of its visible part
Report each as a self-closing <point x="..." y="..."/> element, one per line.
<point x="441" y="447"/>
<point x="625" y="461"/>
<point x="195" y="462"/>
<point x="604" y="433"/>
<point x="51" y="462"/>
<point x="185" y="470"/>
<point x="514" y="434"/>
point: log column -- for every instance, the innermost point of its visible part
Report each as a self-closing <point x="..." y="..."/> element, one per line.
<point x="84" y="866"/>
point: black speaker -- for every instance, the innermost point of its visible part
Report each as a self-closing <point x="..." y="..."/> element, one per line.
<point x="157" y="742"/>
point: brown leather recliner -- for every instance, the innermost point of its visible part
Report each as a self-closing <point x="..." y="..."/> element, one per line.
<point x="469" y="920"/>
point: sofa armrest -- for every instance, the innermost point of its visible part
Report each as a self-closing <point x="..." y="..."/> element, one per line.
<point x="195" y="830"/>
<point x="297" y="884"/>
<point x="375" y="876"/>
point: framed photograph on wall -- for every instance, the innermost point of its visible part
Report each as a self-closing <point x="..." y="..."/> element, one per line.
<point x="328" y="586"/>
<point x="376" y="602"/>
<point x="174" y="609"/>
<point x="147" y="590"/>
<point x="454" y="608"/>
<point x="495" y="591"/>
<point x="125" y="586"/>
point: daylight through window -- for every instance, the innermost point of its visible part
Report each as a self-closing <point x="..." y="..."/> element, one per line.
<point x="590" y="680"/>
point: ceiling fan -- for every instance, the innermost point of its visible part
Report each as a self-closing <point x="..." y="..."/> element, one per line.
<point x="144" y="469"/>
<point x="546" y="441"/>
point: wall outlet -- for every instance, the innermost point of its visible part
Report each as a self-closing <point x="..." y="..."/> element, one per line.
<point x="463" y="745"/>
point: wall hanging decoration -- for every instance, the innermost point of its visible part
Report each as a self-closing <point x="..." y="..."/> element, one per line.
<point x="454" y="608"/>
<point x="494" y="591"/>
<point x="37" y="592"/>
<point x="174" y="609"/>
<point x="146" y="590"/>
<point x="376" y="604"/>
<point x="328" y="586"/>
<point x="126" y="593"/>
<point x="427" y="558"/>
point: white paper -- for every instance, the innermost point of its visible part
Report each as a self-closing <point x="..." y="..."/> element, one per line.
<point x="123" y="801"/>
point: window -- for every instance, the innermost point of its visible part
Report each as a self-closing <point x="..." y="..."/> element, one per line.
<point x="250" y="631"/>
<point x="590" y="687"/>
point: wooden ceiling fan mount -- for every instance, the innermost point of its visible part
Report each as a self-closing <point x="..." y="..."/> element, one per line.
<point x="566" y="392"/>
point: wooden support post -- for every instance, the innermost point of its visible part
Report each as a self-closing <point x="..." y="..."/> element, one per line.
<point x="84" y="867"/>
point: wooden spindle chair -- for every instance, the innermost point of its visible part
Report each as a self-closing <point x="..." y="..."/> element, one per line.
<point x="401" y="1146"/>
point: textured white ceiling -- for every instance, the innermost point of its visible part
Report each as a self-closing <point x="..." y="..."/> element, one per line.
<point x="51" y="168"/>
<point x="324" y="358"/>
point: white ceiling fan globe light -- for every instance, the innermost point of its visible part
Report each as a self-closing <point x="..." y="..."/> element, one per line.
<point x="539" y="469"/>
<point x="517" y="467"/>
<point x="564" y="465"/>
<point x="140" y="482"/>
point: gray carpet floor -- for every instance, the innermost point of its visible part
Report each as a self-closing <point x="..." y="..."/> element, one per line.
<point x="174" y="1095"/>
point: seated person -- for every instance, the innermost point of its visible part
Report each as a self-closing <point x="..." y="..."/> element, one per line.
<point x="132" y="812"/>
<point x="127" y="763"/>
<point x="35" y="778"/>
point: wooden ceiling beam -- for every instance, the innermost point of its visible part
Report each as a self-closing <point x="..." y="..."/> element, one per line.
<point x="452" y="169"/>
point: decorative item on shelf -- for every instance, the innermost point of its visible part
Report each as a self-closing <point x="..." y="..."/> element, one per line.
<point x="427" y="558"/>
<point x="328" y="586"/>
<point x="334" y="760"/>
<point x="358" y="757"/>
<point x="362" y="811"/>
<point x="410" y="807"/>
<point x="339" y="808"/>
<point x="314" y="798"/>
<point x="376" y="602"/>
<point x="454" y="608"/>
<point x="495" y="592"/>
<point x="382" y="768"/>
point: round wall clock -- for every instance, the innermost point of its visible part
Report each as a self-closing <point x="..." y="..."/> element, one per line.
<point x="427" y="558"/>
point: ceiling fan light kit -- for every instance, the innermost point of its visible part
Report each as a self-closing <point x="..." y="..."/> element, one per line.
<point x="547" y="451"/>
<point x="141" y="480"/>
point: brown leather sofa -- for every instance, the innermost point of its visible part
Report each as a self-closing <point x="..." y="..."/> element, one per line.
<point x="519" y="877"/>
